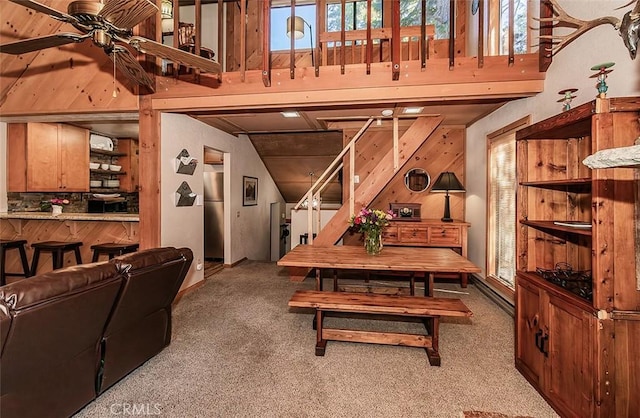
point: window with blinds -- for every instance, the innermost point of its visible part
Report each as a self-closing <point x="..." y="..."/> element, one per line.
<point x="501" y="201"/>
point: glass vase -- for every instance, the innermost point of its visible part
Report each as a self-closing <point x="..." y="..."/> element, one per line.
<point x="373" y="241"/>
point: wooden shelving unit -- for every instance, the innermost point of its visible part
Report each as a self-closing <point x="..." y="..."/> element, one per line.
<point x="574" y="347"/>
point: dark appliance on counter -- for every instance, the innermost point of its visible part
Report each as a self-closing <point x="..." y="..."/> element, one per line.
<point x="118" y="205"/>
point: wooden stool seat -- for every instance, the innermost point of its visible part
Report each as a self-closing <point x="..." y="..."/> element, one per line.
<point x="112" y="249"/>
<point x="57" y="250"/>
<point x="18" y="244"/>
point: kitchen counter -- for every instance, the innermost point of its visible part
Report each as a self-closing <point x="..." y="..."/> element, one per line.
<point x="113" y="217"/>
<point x="88" y="228"/>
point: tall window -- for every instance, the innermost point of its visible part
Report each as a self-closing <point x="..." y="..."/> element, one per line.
<point x="437" y="15"/>
<point x="499" y="26"/>
<point x="501" y="206"/>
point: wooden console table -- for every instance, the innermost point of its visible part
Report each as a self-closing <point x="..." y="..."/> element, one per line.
<point x="430" y="233"/>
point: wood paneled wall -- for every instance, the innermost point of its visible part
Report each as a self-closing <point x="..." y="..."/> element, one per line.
<point x="442" y="151"/>
<point x="88" y="232"/>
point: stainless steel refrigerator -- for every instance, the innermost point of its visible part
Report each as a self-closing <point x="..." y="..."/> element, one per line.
<point x="214" y="215"/>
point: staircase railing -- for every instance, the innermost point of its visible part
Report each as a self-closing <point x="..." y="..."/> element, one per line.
<point x="327" y="176"/>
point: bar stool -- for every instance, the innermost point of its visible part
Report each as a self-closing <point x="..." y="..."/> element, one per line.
<point x="113" y="249"/>
<point x="18" y="244"/>
<point x="57" y="250"/>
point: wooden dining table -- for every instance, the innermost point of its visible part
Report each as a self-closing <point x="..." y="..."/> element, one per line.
<point x="411" y="260"/>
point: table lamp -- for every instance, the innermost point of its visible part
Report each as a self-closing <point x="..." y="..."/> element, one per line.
<point x="447" y="182"/>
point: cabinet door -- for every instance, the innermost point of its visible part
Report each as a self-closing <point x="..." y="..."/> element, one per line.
<point x="16" y="157"/>
<point x="42" y="157"/>
<point x="444" y="235"/>
<point x="529" y="358"/>
<point x="74" y="159"/>
<point x="569" y="378"/>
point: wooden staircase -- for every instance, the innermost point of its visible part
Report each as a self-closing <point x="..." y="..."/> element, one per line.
<point x="382" y="174"/>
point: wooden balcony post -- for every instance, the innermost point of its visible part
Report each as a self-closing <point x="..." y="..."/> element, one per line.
<point x="266" y="42"/>
<point x="452" y="33"/>
<point x="423" y="36"/>
<point x="511" y="29"/>
<point x="544" y="45"/>
<point x="220" y="31"/>
<point x="481" y="34"/>
<point x="243" y="39"/>
<point x="343" y="47"/>
<point x="369" y="43"/>
<point x="292" y="38"/>
<point x="395" y="40"/>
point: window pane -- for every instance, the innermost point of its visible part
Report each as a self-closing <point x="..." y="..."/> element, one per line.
<point x="502" y="210"/>
<point x="437" y="15"/>
<point x="519" y="29"/>
<point x="355" y="15"/>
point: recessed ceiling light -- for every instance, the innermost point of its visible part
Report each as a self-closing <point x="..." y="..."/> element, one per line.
<point x="387" y="112"/>
<point x="412" y="110"/>
<point x="290" y="114"/>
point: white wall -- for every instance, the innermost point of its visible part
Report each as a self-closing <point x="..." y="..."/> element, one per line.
<point x="247" y="233"/>
<point x="570" y="68"/>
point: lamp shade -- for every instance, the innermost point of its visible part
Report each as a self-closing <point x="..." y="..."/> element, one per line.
<point x="447" y="182"/>
<point x="297" y="27"/>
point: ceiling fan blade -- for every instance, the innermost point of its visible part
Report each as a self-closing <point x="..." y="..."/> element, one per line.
<point x="38" y="7"/>
<point x="42" y="42"/>
<point x="131" y="68"/>
<point x="176" y="55"/>
<point x="127" y="13"/>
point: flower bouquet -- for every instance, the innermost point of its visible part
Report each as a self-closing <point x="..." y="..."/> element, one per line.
<point x="371" y="222"/>
<point x="54" y="204"/>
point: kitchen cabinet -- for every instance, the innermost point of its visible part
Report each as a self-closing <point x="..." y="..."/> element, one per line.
<point x="47" y="157"/>
<point x="577" y="289"/>
<point x="429" y="233"/>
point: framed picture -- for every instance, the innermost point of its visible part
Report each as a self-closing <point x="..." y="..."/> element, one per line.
<point x="249" y="191"/>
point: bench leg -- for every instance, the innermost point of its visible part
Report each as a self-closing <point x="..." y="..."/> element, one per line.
<point x="412" y="284"/>
<point x="321" y="344"/>
<point x="433" y="354"/>
<point x="335" y="280"/>
<point x="464" y="278"/>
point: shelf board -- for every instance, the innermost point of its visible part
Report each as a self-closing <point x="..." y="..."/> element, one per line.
<point x="549" y="225"/>
<point x="110" y="172"/>
<point x="107" y="152"/>
<point x="559" y="291"/>
<point x="577" y="185"/>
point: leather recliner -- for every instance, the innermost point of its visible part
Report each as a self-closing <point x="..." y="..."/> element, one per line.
<point x="67" y="335"/>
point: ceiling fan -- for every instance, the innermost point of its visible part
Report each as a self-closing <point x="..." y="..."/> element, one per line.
<point x="109" y="23"/>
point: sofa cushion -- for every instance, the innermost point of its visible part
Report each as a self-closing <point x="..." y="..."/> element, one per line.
<point x="58" y="283"/>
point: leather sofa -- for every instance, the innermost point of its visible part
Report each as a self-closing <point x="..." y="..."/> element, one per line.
<point x="68" y="335"/>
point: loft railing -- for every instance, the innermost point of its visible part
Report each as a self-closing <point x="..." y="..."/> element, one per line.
<point x="249" y="46"/>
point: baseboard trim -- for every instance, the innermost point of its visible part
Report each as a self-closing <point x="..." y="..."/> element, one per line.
<point x="189" y="289"/>
<point x="236" y="263"/>
<point x="505" y="304"/>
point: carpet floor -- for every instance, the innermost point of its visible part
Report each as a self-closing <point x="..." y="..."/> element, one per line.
<point x="239" y="351"/>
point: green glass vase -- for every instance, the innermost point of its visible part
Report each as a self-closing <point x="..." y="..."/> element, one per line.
<point x="373" y="241"/>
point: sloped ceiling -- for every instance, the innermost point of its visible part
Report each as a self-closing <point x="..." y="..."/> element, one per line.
<point x="80" y="73"/>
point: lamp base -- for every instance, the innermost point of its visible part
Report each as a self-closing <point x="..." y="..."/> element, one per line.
<point x="446" y="219"/>
<point x="447" y="212"/>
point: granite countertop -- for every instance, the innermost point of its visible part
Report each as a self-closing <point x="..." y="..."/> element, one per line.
<point x="69" y="216"/>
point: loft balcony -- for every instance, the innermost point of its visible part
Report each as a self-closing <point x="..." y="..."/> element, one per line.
<point x="380" y="62"/>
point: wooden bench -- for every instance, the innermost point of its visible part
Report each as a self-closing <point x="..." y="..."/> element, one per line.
<point x="429" y="309"/>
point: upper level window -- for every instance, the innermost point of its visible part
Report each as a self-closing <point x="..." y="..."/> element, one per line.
<point x="519" y="28"/>
<point x="355" y="15"/>
<point x="437" y="15"/>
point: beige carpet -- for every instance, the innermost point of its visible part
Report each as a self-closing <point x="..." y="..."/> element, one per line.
<point x="480" y="414"/>
<point x="238" y="351"/>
